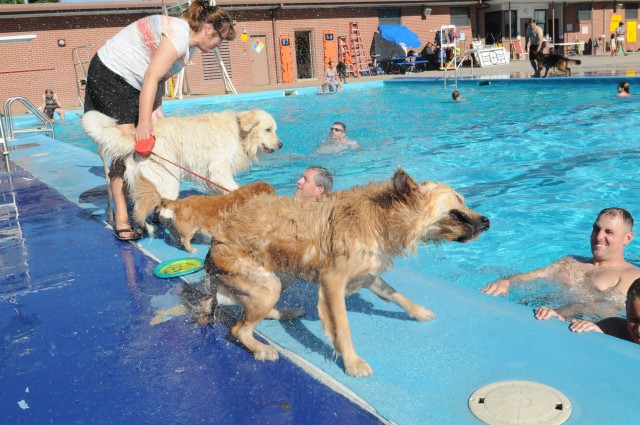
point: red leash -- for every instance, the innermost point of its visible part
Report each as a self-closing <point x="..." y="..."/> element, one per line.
<point x="191" y="172"/>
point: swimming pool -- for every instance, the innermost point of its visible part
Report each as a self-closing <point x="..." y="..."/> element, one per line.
<point x="540" y="158"/>
<point x="423" y="372"/>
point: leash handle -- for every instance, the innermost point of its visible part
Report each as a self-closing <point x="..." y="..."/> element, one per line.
<point x="191" y="172"/>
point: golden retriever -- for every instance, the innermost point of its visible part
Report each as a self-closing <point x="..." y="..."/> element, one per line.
<point x="214" y="145"/>
<point x="342" y="241"/>
<point x="197" y="213"/>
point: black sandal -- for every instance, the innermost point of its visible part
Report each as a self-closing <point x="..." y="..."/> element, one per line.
<point x="118" y="234"/>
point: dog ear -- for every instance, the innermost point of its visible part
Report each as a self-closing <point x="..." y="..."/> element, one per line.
<point x="403" y="183"/>
<point x="247" y="120"/>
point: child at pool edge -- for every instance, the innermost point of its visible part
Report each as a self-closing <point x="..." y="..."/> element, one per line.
<point x="612" y="45"/>
<point x="455" y="95"/>
<point x="623" y="89"/>
<point x="627" y="329"/>
<point x="51" y="104"/>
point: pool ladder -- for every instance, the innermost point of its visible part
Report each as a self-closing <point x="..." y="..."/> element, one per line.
<point x="7" y="132"/>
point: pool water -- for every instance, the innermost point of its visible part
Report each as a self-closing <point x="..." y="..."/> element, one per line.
<point x="540" y="158"/>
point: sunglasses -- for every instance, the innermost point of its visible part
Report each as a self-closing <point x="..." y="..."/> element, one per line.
<point x="337" y="129"/>
<point x="222" y="39"/>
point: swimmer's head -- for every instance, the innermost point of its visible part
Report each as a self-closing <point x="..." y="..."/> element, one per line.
<point x="633" y="311"/>
<point x="338" y="130"/>
<point x="455" y="95"/>
<point x="618" y="212"/>
<point x="315" y="181"/>
<point x="624" y="87"/>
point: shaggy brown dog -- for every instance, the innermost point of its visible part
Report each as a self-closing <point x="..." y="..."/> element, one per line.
<point x="197" y="213"/>
<point x="343" y="241"/>
<point x="557" y="62"/>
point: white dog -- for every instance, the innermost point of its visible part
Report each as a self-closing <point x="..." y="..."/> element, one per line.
<point x="214" y="145"/>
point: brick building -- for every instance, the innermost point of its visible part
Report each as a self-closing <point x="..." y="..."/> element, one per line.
<point x="62" y="30"/>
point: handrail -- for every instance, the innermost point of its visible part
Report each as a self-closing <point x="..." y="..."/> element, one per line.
<point x="454" y="45"/>
<point x="8" y="117"/>
<point x="3" y="144"/>
<point x="81" y="78"/>
<point x="7" y="131"/>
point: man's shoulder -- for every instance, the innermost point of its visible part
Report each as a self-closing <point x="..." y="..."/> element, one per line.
<point x="631" y="269"/>
<point x="575" y="259"/>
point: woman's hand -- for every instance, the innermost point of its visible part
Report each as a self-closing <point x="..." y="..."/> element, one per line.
<point x="144" y="130"/>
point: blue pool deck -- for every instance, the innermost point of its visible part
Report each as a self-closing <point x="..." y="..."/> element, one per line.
<point x="89" y="335"/>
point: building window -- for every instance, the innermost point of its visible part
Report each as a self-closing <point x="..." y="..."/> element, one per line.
<point x="514" y="23"/>
<point x="540" y="16"/>
<point x="460" y="16"/>
<point x="584" y="12"/>
<point x="631" y="11"/>
<point x="389" y="17"/>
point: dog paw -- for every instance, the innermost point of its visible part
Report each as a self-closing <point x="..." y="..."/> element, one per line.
<point x="358" y="368"/>
<point x="422" y="314"/>
<point x="265" y="353"/>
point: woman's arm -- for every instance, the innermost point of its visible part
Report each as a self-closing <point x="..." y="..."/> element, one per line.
<point x="161" y="62"/>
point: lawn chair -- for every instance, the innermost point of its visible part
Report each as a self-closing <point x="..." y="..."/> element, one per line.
<point x="516" y="51"/>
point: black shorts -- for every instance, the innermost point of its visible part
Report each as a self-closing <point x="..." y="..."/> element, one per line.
<point x="109" y="93"/>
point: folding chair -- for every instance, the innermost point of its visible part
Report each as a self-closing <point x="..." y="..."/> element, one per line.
<point x="516" y="51"/>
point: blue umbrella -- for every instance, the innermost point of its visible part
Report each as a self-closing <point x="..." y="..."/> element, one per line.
<point x="400" y="34"/>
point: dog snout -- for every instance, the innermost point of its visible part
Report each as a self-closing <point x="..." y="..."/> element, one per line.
<point x="484" y="223"/>
<point x="280" y="145"/>
<point x="481" y="223"/>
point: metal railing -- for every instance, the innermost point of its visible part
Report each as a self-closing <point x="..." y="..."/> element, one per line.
<point x="8" y="132"/>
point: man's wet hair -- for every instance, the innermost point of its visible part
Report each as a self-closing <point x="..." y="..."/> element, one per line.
<point x="322" y="178"/>
<point x="618" y="212"/>
<point x="344" y="127"/>
<point x="624" y="85"/>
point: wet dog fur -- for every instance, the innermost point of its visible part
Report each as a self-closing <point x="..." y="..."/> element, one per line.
<point x="342" y="241"/>
<point x="556" y="62"/>
<point x="196" y="213"/>
<point x="215" y="146"/>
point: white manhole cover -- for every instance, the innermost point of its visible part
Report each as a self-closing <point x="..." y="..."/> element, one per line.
<point x="519" y="403"/>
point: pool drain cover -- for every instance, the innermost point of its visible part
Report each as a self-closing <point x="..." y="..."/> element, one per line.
<point x="519" y="403"/>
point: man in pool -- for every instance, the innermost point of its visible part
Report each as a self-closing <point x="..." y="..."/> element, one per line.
<point x="337" y="140"/>
<point x="606" y="271"/>
<point x="628" y="329"/>
<point x="315" y="182"/>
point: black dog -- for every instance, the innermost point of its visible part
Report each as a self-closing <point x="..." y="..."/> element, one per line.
<point x="342" y="71"/>
<point x="555" y="62"/>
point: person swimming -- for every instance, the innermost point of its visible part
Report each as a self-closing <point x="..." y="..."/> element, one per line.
<point x="623" y="89"/>
<point x="337" y="140"/>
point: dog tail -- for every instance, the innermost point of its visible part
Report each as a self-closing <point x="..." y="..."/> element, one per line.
<point x="102" y="129"/>
<point x="147" y="199"/>
<point x="575" y="61"/>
